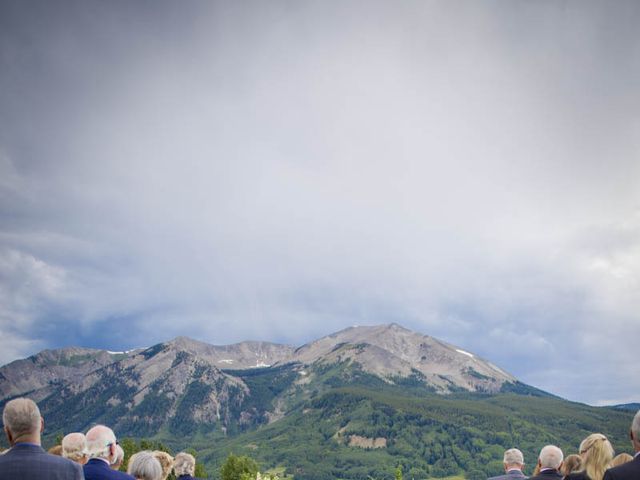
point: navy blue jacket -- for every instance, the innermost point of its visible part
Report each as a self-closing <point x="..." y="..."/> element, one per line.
<point x="96" y="469"/>
<point x="25" y="461"/>
<point x="626" y="471"/>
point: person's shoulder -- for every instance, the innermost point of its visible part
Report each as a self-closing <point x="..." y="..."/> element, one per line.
<point x="498" y="477"/>
<point x="629" y="469"/>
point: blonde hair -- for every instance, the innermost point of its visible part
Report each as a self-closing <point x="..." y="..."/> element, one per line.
<point x="166" y="462"/>
<point x="620" y="459"/>
<point x="185" y="464"/>
<point x="571" y="464"/>
<point x="596" y="452"/>
<point x="74" y="446"/>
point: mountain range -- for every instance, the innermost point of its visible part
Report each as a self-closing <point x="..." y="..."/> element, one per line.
<point x="351" y="397"/>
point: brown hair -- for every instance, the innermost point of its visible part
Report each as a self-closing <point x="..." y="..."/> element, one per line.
<point x="571" y="464"/>
<point x="620" y="459"/>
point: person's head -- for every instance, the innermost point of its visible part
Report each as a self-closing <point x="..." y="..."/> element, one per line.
<point x="166" y="462"/>
<point x="635" y="432"/>
<point x="571" y="464"/>
<point x="620" y="459"/>
<point x="513" y="459"/>
<point x="144" y="466"/>
<point x="117" y="463"/>
<point x="22" y="421"/>
<point x="550" y="457"/>
<point x="596" y="453"/>
<point x="74" y="447"/>
<point x="184" y="464"/>
<point x="55" y="450"/>
<point x="101" y="443"/>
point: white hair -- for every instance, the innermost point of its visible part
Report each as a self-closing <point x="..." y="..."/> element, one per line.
<point x="21" y="416"/>
<point x="550" y="457"/>
<point x="99" y="440"/>
<point x="513" y="456"/>
<point x="74" y="446"/>
<point x="185" y="464"/>
<point x="144" y="466"/>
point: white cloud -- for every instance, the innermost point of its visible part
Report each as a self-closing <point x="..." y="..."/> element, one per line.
<point x="277" y="173"/>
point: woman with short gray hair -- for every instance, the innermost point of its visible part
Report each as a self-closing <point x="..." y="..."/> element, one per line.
<point x="144" y="466"/>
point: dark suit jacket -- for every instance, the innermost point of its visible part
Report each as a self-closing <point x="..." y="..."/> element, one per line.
<point x="187" y="477"/>
<point x="514" y="474"/>
<point x="626" y="471"/>
<point x="547" y="475"/>
<point x="96" y="469"/>
<point x="30" y="462"/>
<point x="577" y="476"/>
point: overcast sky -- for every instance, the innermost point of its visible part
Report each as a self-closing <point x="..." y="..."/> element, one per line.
<point x="282" y="170"/>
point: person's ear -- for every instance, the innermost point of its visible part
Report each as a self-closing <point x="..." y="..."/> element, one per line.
<point x="9" y="436"/>
<point x="41" y="425"/>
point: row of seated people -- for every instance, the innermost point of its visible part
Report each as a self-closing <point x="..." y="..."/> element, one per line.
<point x="595" y="460"/>
<point x="144" y="465"/>
<point x="94" y="456"/>
<point x="97" y="456"/>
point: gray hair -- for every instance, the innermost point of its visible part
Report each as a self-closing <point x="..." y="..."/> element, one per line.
<point x="635" y="427"/>
<point x="99" y="439"/>
<point x="513" y="456"/>
<point x="74" y="446"/>
<point x="550" y="457"/>
<point x="144" y="466"/>
<point x="185" y="464"/>
<point x="21" y="416"/>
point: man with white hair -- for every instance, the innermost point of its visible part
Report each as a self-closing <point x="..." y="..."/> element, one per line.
<point x="513" y="462"/>
<point x="629" y="470"/>
<point x="26" y="460"/>
<point x="74" y="447"/>
<point x="101" y="445"/>
<point x="549" y="461"/>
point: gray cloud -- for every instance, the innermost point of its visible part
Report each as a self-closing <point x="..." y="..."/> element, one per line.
<point x="280" y="171"/>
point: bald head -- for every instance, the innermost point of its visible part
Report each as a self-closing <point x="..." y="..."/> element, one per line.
<point x="22" y="421"/>
<point x="74" y="447"/>
<point x="101" y="443"/>
<point x="550" y="457"/>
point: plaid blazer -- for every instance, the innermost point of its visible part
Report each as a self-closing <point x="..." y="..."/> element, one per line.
<point x="25" y="461"/>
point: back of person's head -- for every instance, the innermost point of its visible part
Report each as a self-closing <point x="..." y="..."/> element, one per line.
<point x="184" y="464"/>
<point x="513" y="458"/>
<point x="550" y="457"/>
<point x="101" y="442"/>
<point x="21" y="417"/>
<point x="74" y="447"/>
<point x="166" y="462"/>
<point x="620" y="459"/>
<point x="55" y="450"/>
<point x="572" y="463"/>
<point x="117" y="462"/>
<point x="144" y="466"/>
<point x="635" y="431"/>
<point x="596" y="452"/>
